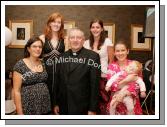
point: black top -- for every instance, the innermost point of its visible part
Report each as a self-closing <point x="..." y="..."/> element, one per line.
<point x="50" y="56"/>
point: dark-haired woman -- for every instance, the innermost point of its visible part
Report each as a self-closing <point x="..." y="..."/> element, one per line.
<point x="31" y="94"/>
<point x="99" y="43"/>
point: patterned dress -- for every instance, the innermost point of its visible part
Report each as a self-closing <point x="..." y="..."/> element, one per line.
<point x="121" y="108"/>
<point x="35" y="97"/>
<point x="51" y="55"/>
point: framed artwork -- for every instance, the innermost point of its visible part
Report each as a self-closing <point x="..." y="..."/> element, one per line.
<point x="22" y="30"/>
<point x="110" y="31"/>
<point x="137" y="41"/>
<point x="67" y="25"/>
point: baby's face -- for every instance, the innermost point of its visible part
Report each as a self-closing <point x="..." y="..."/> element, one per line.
<point x="132" y="68"/>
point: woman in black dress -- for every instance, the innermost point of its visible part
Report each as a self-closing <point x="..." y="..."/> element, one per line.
<point x="53" y="39"/>
<point x="31" y="94"/>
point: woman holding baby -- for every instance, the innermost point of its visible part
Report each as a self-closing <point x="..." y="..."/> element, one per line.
<point x="124" y="98"/>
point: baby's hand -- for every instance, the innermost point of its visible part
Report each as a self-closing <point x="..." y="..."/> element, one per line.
<point x="118" y="97"/>
<point x="142" y="94"/>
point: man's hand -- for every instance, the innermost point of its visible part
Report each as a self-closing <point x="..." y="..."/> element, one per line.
<point x="56" y="110"/>
<point x="91" y="113"/>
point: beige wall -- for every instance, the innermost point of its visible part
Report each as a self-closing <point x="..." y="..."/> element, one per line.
<point x="121" y="16"/>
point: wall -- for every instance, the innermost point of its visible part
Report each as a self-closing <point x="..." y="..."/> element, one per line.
<point x="122" y="16"/>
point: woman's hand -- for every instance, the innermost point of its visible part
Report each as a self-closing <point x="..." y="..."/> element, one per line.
<point x="142" y="94"/>
<point x="20" y="113"/>
<point x="107" y="88"/>
<point x="129" y="78"/>
<point x="91" y="113"/>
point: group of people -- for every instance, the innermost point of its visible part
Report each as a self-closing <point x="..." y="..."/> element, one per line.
<point x="50" y="80"/>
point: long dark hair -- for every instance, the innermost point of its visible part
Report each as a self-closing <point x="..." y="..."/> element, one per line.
<point x="102" y="35"/>
<point x="29" y="43"/>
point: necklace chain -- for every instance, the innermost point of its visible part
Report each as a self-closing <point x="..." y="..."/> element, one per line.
<point x="34" y="66"/>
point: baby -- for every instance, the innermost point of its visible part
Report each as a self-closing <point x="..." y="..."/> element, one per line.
<point x="125" y="94"/>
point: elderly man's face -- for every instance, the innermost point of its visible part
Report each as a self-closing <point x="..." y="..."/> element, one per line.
<point x="76" y="40"/>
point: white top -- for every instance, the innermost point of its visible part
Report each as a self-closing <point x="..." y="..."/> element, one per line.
<point x="103" y="54"/>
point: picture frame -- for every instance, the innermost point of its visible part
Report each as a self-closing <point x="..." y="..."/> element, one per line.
<point x="110" y="31"/>
<point x="67" y="26"/>
<point x="139" y="43"/>
<point x="22" y="30"/>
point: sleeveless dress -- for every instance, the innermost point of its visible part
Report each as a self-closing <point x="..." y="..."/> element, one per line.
<point x="35" y="97"/>
<point x="51" y="55"/>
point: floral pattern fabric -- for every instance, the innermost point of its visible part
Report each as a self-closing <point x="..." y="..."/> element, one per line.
<point x="121" y="108"/>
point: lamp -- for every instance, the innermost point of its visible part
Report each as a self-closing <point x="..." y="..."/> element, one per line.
<point x="149" y="32"/>
<point x="149" y="29"/>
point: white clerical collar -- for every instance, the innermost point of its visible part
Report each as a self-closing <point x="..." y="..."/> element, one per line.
<point x="74" y="53"/>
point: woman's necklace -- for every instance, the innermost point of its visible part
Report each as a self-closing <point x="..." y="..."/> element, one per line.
<point x="36" y="66"/>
